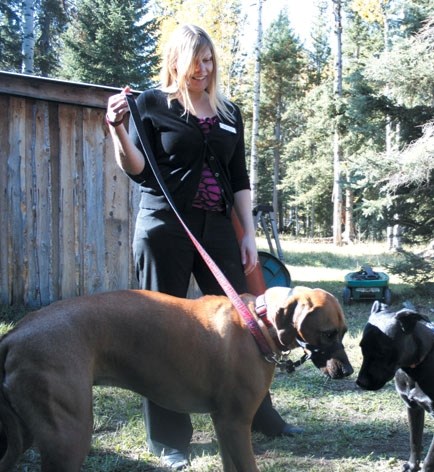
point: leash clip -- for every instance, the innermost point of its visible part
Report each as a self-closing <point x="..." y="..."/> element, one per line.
<point x="284" y="363"/>
<point x="273" y="359"/>
<point x="290" y="366"/>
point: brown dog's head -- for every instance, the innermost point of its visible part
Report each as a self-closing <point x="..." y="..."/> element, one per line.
<point x="312" y="319"/>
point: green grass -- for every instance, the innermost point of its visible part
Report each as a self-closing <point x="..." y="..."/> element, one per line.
<point x="346" y="429"/>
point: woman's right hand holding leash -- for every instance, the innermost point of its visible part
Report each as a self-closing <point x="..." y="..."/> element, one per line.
<point x="128" y="157"/>
<point x="117" y="108"/>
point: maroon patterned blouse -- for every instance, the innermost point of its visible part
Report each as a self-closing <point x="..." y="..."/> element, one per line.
<point x="209" y="194"/>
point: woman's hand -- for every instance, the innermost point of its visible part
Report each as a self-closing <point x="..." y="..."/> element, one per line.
<point x="249" y="253"/>
<point x="243" y="209"/>
<point x="117" y="107"/>
<point x="127" y="156"/>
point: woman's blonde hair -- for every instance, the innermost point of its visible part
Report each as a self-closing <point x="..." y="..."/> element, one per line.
<point x="182" y="50"/>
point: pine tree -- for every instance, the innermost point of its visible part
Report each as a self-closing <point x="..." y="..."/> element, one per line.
<point x="395" y="86"/>
<point x="51" y="23"/>
<point x="321" y="50"/>
<point x="29" y="35"/>
<point x="10" y="35"/>
<point x="111" y="43"/>
<point x="283" y="65"/>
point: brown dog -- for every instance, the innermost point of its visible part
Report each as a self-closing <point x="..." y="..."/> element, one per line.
<point x="186" y="355"/>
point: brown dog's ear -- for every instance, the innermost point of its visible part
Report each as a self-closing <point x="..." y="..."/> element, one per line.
<point x="286" y="331"/>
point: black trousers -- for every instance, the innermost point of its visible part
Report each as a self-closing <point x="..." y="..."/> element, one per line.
<point x="164" y="260"/>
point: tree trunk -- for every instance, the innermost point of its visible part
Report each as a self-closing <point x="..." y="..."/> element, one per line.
<point x="393" y="232"/>
<point x="276" y="166"/>
<point x="312" y="221"/>
<point x="337" y="173"/>
<point x="28" y="48"/>
<point x="349" y="233"/>
<point x="255" y="114"/>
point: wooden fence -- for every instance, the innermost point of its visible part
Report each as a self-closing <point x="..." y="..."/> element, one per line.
<point x="66" y="210"/>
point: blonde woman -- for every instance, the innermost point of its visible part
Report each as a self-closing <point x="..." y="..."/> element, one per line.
<point x="197" y="137"/>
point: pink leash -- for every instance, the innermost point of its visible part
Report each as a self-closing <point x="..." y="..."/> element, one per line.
<point x="233" y="296"/>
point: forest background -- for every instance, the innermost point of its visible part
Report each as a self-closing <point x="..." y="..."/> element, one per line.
<point x="350" y="116"/>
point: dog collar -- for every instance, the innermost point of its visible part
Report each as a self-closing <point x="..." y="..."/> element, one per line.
<point x="283" y="362"/>
<point x="319" y="350"/>
<point x="261" y="310"/>
<point x="261" y="313"/>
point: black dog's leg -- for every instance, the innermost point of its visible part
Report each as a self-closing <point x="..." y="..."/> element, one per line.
<point x="416" y="418"/>
<point x="428" y="463"/>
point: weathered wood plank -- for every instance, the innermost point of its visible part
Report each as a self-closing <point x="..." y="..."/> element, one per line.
<point x="93" y="211"/>
<point x="4" y="207"/>
<point x="17" y="204"/>
<point x="44" y="88"/>
<point x="69" y="201"/>
<point x="117" y="215"/>
<point x="53" y="140"/>
<point x="40" y="205"/>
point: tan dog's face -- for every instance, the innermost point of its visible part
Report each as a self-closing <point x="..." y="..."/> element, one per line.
<point x="312" y="319"/>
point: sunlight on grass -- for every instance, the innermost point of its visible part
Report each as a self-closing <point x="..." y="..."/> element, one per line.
<point x="5" y="327"/>
<point x="326" y="262"/>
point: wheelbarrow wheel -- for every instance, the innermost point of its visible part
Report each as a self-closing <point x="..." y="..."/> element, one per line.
<point x="387" y="296"/>
<point x="346" y="296"/>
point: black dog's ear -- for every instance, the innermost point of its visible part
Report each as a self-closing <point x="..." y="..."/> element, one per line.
<point x="408" y="319"/>
<point x="377" y="307"/>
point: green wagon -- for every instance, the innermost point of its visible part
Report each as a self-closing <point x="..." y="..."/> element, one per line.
<point x="366" y="285"/>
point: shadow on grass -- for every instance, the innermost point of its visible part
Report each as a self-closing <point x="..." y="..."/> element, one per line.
<point x="12" y="314"/>
<point x="105" y="460"/>
<point x="98" y="460"/>
<point x="330" y="435"/>
<point x="345" y="440"/>
<point x="340" y="421"/>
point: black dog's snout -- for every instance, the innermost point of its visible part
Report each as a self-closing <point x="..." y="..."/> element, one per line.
<point x="360" y="384"/>
<point x="347" y="370"/>
<point x="368" y="384"/>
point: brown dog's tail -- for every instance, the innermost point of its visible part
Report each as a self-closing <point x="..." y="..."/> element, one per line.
<point x="11" y="431"/>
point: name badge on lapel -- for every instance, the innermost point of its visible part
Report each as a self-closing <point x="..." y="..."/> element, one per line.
<point x="231" y="129"/>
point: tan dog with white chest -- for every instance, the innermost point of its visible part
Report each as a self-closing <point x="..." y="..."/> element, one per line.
<point x="186" y="355"/>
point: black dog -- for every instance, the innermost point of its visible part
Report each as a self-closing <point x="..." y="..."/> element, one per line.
<point x="401" y="345"/>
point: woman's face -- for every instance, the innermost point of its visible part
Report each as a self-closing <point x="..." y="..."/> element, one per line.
<point x="200" y="77"/>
